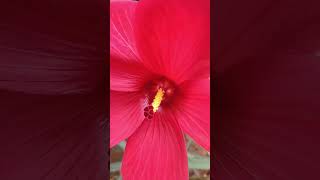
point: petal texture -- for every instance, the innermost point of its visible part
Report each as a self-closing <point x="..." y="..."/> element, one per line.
<point x="122" y="44"/>
<point x="173" y="36"/>
<point x="126" y="72"/>
<point x="156" y="151"/>
<point x="127" y="76"/>
<point x="193" y="111"/>
<point x="126" y="115"/>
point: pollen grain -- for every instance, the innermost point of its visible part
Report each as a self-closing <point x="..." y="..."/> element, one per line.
<point x="157" y="99"/>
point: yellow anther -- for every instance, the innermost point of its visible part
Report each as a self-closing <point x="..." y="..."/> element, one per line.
<point x="157" y="99"/>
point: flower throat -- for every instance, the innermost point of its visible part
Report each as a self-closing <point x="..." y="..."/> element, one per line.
<point x="151" y="109"/>
<point x="159" y="92"/>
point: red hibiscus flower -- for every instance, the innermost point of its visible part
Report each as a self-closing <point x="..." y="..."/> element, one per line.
<point x="159" y="72"/>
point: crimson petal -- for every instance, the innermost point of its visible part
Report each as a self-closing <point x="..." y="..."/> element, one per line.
<point x="156" y="151"/>
<point x="173" y="37"/>
<point x="122" y="41"/>
<point x="193" y="111"/>
<point x="126" y="114"/>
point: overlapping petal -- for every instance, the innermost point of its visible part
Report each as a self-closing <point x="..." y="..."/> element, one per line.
<point x="173" y="37"/>
<point x="193" y="111"/>
<point x="126" y="114"/>
<point x="127" y="76"/>
<point x="156" y="151"/>
<point x="126" y="71"/>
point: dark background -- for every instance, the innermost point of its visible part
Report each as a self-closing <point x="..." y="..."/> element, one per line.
<point x="266" y="96"/>
<point x="53" y="90"/>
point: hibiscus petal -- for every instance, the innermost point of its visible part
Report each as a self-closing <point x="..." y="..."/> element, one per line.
<point x="193" y="111"/>
<point x="126" y="114"/>
<point x="127" y="76"/>
<point x="126" y="73"/>
<point x="122" y="43"/>
<point x="156" y="151"/>
<point x="173" y="37"/>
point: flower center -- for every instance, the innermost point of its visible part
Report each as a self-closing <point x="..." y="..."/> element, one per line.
<point x="159" y="92"/>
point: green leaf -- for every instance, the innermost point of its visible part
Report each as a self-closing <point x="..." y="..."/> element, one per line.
<point x="122" y="145"/>
<point x="115" y="166"/>
<point x="199" y="162"/>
